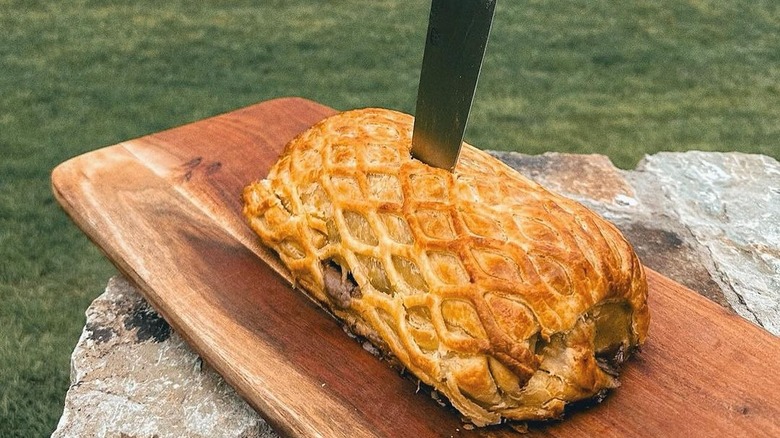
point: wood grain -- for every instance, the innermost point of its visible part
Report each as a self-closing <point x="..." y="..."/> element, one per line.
<point x="165" y="209"/>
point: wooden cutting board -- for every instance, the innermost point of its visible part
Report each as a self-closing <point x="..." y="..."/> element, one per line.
<point x="165" y="209"/>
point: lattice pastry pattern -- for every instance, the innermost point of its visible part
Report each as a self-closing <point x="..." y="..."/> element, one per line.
<point x="508" y="299"/>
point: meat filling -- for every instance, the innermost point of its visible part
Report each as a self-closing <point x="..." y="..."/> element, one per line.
<point x="611" y="359"/>
<point x="339" y="285"/>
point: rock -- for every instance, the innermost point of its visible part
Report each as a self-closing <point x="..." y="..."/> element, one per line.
<point x="586" y="177"/>
<point x="710" y="221"/>
<point x="132" y="376"/>
<point x="731" y="205"/>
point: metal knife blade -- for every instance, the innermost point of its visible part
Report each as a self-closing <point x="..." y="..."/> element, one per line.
<point x="454" y="48"/>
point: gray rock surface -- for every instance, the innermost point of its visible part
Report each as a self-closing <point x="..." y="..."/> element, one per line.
<point x="131" y="376"/>
<point x="731" y="205"/>
<point x="710" y="221"/>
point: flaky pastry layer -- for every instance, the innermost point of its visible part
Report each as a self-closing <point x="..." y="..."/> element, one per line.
<point x="509" y="299"/>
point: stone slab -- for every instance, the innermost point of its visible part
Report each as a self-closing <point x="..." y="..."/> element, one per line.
<point x="133" y="377"/>
<point x="710" y="221"/>
<point x="730" y="203"/>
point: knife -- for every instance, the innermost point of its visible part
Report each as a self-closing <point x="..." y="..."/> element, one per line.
<point x="454" y="48"/>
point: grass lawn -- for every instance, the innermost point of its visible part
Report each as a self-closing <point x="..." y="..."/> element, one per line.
<point x="587" y="76"/>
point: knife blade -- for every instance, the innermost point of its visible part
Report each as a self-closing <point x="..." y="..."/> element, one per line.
<point x="454" y="48"/>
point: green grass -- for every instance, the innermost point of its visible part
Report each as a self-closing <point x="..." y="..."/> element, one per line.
<point x="590" y="76"/>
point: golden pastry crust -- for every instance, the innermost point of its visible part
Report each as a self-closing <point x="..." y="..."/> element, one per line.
<point x="510" y="300"/>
